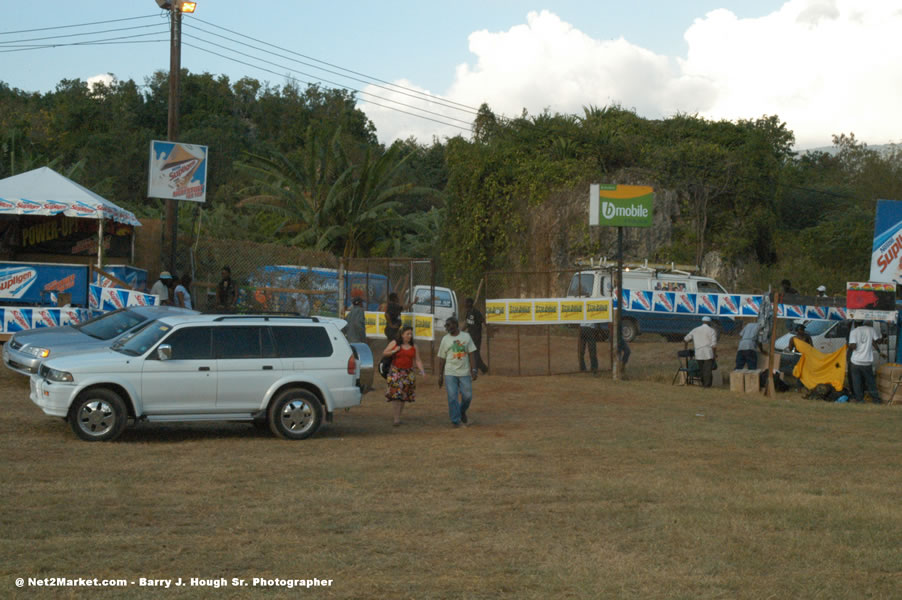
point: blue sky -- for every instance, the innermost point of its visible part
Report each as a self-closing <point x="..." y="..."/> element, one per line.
<point x="721" y="59"/>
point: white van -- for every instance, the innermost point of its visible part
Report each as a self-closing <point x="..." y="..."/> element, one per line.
<point x="597" y="283"/>
<point x="445" y="303"/>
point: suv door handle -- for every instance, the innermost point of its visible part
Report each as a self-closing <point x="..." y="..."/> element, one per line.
<point x="267" y="367"/>
<point x="203" y="368"/>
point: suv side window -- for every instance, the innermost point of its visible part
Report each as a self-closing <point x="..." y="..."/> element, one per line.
<point x="243" y="342"/>
<point x="302" y="342"/>
<point x="190" y="343"/>
<point x="842" y="330"/>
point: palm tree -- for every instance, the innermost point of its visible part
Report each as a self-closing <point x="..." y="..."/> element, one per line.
<point x="365" y="207"/>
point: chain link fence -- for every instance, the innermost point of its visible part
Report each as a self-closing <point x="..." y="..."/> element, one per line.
<point x="540" y="349"/>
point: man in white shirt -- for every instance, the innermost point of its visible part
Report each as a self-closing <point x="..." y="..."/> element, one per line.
<point x="863" y="344"/>
<point x="457" y="370"/>
<point x="161" y="287"/>
<point x="704" y="340"/>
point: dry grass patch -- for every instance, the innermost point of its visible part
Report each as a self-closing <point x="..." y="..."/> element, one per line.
<point x="564" y="487"/>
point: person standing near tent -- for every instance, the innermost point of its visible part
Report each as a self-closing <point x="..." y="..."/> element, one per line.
<point x="182" y="295"/>
<point x="704" y="341"/>
<point x="161" y="287"/>
<point x="863" y="344"/>
<point x="226" y="293"/>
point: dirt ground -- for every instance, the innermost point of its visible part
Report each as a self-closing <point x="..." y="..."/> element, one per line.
<point x="567" y="486"/>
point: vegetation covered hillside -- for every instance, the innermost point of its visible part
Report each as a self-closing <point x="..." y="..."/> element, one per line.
<point x="304" y="167"/>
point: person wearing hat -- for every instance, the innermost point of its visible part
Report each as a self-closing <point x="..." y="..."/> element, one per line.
<point x="355" y="330"/>
<point x="161" y="287"/>
<point x="704" y="341"/>
<point x="457" y="370"/>
<point x="821" y="291"/>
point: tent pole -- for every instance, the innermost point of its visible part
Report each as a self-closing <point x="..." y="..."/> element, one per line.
<point x="100" y="243"/>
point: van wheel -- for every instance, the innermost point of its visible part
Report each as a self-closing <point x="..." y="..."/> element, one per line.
<point x="295" y="414"/>
<point x="98" y="415"/>
<point x="630" y="330"/>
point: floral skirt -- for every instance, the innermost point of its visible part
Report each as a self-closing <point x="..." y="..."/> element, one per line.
<point x="402" y="385"/>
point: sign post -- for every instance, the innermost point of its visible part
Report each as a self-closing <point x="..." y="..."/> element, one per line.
<point x="620" y="206"/>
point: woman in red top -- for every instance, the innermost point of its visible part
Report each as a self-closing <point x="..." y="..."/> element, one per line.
<point x="402" y="382"/>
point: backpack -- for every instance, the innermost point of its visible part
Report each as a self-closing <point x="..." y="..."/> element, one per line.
<point x="385" y="365"/>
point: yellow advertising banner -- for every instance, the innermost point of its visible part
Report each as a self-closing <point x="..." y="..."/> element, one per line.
<point x="422" y="325"/>
<point x="374" y="324"/>
<point x="546" y="311"/>
<point x="573" y="310"/>
<point x="598" y="310"/>
<point x="422" y="328"/>
<point x="495" y="311"/>
<point x="519" y="311"/>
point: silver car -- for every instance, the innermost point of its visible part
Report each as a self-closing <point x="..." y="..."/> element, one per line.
<point x="25" y="351"/>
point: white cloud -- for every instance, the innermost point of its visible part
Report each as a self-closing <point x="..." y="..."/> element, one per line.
<point x="106" y="79"/>
<point x="823" y="66"/>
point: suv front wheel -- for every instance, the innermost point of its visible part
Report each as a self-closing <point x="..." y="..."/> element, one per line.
<point x="98" y="415"/>
<point x="295" y="414"/>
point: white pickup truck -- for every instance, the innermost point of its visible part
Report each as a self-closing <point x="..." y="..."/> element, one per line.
<point x="445" y="303"/>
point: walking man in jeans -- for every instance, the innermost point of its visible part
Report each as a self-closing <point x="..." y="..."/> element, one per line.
<point x="457" y="369"/>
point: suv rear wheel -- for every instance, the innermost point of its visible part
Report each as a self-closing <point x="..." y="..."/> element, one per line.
<point x="98" y="415"/>
<point x="295" y="414"/>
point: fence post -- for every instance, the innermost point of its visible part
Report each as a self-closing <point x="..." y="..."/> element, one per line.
<point x="548" y="327"/>
<point x="341" y="287"/>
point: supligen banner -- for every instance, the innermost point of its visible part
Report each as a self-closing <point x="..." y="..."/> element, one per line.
<point x="33" y="283"/>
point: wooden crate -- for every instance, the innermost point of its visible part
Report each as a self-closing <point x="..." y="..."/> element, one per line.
<point x="737" y="381"/>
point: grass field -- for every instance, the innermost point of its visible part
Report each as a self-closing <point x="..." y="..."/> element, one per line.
<point x="563" y="487"/>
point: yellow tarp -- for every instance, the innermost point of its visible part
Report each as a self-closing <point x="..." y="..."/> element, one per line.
<point x="815" y="367"/>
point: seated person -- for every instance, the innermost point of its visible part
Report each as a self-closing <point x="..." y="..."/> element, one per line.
<point x="800" y="334"/>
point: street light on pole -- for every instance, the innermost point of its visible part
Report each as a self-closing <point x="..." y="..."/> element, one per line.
<point x="175" y="9"/>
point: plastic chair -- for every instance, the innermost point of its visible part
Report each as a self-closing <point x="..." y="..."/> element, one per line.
<point x="689" y="366"/>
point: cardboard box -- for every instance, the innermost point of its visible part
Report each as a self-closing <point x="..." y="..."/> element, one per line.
<point x="737" y="381"/>
<point x="752" y="381"/>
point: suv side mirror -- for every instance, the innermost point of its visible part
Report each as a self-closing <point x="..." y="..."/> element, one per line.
<point x="164" y="352"/>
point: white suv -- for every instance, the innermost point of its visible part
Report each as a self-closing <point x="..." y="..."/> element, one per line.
<point x="290" y="372"/>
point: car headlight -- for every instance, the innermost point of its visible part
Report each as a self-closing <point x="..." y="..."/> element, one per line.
<point x="37" y="351"/>
<point x="57" y="375"/>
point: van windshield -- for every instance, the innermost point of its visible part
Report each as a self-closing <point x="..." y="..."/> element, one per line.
<point x="581" y="285"/>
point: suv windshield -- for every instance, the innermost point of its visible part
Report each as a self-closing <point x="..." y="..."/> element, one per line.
<point x="144" y="340"/>
<point x="108" y="326"/>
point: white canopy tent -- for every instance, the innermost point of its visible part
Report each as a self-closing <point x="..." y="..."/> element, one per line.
<point x="44" y="192"/>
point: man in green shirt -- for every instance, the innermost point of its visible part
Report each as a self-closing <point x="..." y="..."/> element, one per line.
<point x="457" y="369"/>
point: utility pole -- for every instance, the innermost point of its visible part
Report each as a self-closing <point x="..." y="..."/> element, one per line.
<point x="175" y="8"/>
<point x="172" y="130"/>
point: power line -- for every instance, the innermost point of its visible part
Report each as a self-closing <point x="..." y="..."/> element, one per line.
<point x="103" y="41"/>
<point x="333" y="65"/>
<point x="417" y="95"/>
<point x="76" y="25"/>
<point x="310" y="83"/>
<point x="68" y="35"/>
<point x="326" y="80"/>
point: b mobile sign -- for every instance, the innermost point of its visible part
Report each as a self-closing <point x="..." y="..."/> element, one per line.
<point x="886" y="253"/>
<point x="621" y="205"/>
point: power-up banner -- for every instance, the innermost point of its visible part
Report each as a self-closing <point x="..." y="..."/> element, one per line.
<point x="422" y="324"/>
<point x="548" y="311"/>
<point x="21" y="318"/>
<point x="621" y="205"/>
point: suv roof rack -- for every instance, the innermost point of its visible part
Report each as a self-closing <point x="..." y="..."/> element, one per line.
<point x="605" y="263"/>
<point x="267" y="317"/>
